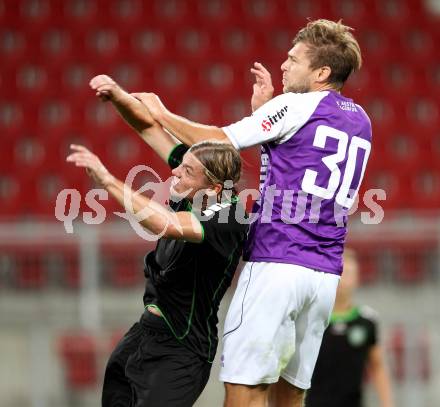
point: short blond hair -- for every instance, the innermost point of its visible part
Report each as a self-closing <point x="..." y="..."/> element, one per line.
<point x="331" y="44"/>
<point x="221" y="162"/>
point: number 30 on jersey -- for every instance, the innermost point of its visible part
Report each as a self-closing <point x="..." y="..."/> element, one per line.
<point x="343" y="197"/>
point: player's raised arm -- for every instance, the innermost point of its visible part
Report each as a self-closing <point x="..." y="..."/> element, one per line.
<point x="135" y="113"/>
<point x="150" y="214"/>
<point x="277" y="120"/>
<point x="262" y="88"/>
<point x="186" y="131"/>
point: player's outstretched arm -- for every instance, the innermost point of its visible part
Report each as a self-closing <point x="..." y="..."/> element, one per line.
<point x="132" y="111"/>
<point x="151" y="215"/>
<point x="379" y="376"/>
<point x="135" y="113"/>
<point x="186" y="131"/>
<point x="262" y="88"/>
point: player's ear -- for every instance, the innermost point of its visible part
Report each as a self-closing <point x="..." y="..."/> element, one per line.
<point x="215" y="190"/>
<point x="323" y="73"/>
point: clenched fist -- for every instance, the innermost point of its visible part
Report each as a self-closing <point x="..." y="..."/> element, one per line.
<point x="106" y="88"/>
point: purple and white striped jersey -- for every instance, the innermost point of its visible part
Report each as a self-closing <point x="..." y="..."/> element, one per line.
<point x="314" y="150"/>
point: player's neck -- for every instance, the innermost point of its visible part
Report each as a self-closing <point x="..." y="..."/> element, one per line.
<point x="321" y="87"/>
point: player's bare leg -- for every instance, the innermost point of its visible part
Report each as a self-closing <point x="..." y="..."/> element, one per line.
<point x="284" y="394"/>
<point x="240" y="395"/>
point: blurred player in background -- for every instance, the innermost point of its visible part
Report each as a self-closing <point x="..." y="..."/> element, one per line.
<point x="165" y="359"/>
<point x="315" y="145"/>
<point x="350" y="348"/>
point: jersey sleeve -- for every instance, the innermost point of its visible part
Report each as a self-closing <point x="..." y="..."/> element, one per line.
<point x="277" y="120"/>
<point x="221" y="230"/>
<point x="176" y="155"/>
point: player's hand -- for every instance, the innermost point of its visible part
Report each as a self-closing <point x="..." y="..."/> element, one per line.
<point x="152" y="102"/>
<point x="82" y="157"/>
<point x="263" y="88"/>
<point x="106" y="88"/>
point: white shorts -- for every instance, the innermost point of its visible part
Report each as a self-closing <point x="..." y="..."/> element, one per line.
<point x="275" y="324"/>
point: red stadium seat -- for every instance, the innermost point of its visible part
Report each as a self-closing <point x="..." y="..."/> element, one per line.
<point x="193" y="45"/>
<point x="57" y="44"/>
<point x="11" y="195"/>
<point x="35" y="12"/>
<point x="126" y="12"/>
<point x="356" y="15"/>
<point x="123" y="267"/>
<point x="411" y="268"/>
<point x="128" y="74"/>
<point x="423" y="111"/>
<point x="83" y="13"/>
<point x="74" y="78"/>
<point x="11" y="117"/>
<point x="240" y="46"/>
<point x="218" y="76"/>
<point x="403" y="149"/>
<point x="196" y="108"/>
<point x="262" y="14"/>
<point x="50" y="112"/>
<point x="398" y="78"/>
<point x="62" y="266"/>
<point x="172" y="12"/>
<point x="398" y="348"/>
<point x="32" y="81"/>
<point x="235" y="110"/>
<point x="150" y="44"/>
<point x="172" y="78"/>
<point x="123" y="151"/>
<point x="382" y="112"/>
<point x="78" y="353"/>
<point x="103" y="43"/>
<point x="299" y="11"/>
<point x="384" y="177"/>
<point x="278" y="41"/>
<point x="378" y="45"/>
<point x="424" y="187"/>
<point x="364" y="84"/>
<point x="29" y="273"/>
<point x="417" y="44"/>
<point x="8" y="12"/>
<point x="397" y="15"/>
<point x="369" y="271"/>
<point x="214" y="15"/>
<point x="100" y="116"/>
